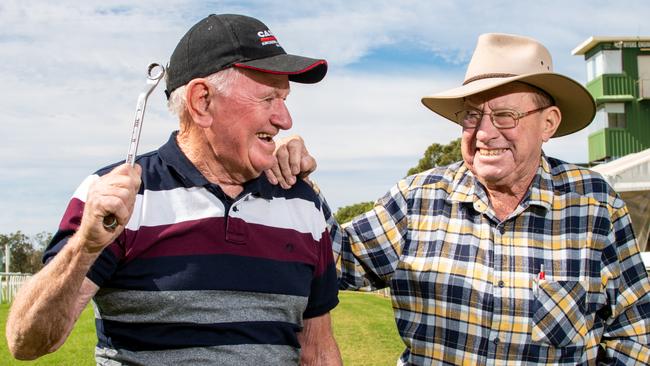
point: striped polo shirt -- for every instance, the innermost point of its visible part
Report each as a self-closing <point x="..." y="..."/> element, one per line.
<point x="200" y="278"/>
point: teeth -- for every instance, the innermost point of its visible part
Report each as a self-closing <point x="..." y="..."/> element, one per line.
<point x="265" y="136"/>
<point x="491" y="152"/>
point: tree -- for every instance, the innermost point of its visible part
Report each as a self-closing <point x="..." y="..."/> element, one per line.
<point x="438" y="155"/>
<point x="39" y="243"/>
<point x="347" y="213"/>
<point x="26" y="252"/>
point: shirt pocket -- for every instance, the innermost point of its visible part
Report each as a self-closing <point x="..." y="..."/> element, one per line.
<point x="559" y="313"/>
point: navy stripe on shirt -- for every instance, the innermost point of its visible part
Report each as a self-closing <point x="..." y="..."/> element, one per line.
<point x="213" y="272"/>
<point x="164" y="336"/>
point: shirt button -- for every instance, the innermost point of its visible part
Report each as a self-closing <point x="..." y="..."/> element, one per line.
<point x="502" y="230"/>
<point x="501" y="283"/>
<point x="496" y="341"/>
<point x="234" y="208"/>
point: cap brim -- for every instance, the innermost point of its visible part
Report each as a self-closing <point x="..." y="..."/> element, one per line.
<point x="300" y="69"/>
<point x="576" y="104"/>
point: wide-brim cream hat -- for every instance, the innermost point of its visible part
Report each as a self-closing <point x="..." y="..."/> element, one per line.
<point x="500" y="59"/>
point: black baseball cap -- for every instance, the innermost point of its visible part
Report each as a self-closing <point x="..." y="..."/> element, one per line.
<point x="221" y="41"/>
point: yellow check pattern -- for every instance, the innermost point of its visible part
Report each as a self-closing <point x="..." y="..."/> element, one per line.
<point x="464" y="284"/>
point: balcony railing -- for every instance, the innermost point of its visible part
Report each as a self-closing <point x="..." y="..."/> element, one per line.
<point x="612" y="87"/>
<point x="612" y="143"/>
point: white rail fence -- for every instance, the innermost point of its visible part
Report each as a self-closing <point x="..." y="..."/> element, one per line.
<point x="9" y="285"/>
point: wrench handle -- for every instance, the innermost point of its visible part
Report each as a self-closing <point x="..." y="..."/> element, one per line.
<point x="155" y="72"/>
<point x="110" y="222"/>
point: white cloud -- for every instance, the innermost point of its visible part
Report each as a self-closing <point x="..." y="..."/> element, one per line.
<point x="71" y="72"/>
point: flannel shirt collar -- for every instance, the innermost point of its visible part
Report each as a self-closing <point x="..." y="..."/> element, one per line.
<point x="467" y="189"/>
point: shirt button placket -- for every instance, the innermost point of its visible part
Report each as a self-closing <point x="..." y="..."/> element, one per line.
<point x="500" y="270"/>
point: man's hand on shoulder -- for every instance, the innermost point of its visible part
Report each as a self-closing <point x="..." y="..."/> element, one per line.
<point x="291" y="160"/>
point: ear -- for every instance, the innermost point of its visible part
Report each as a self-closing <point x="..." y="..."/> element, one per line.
<point x="198" y="97"/>
<point x="552" y="118"/>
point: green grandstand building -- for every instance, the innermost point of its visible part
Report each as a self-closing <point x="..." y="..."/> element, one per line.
<point x="618" y="77"/>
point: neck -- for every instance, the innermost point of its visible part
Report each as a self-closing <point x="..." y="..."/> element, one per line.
<point x="194" y="144"/>
<point x="503" y="203"/>
<point x="505" y="198"/>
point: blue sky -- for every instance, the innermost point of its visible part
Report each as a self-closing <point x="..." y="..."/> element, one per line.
<point x="71" y="72"/>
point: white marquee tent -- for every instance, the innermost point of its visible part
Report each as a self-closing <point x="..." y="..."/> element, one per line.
<point x="630" y="177"/>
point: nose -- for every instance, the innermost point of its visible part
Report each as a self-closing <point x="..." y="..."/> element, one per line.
<point x="485" y="130"/>
<point x="281" y="118"/>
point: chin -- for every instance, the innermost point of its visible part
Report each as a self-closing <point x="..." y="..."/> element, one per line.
<point x="260" y="165"/>
<point x="489" y="174"/>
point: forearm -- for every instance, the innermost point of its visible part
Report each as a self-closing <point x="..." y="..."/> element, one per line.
<point x="318" y="346"/>
<point x="325" y="354"/>
<point x="43" y="311"/>
<point x="350" y="273"/>
<point x="627" y="330"/>
<point x="627" y="336"/>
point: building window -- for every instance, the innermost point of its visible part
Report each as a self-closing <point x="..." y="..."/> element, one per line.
<point x="609" y="115"/>
<point x="643" y="62"/>
<point x="616" y="120"/>
<point x="604" y="62"/>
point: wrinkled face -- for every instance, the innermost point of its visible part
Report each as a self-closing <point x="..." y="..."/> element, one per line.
<point x="247" y="120"/>
<point x="505" y="157"/>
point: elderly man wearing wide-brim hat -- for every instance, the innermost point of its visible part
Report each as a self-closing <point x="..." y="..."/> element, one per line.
<point x="532" y="259"/>
<point x="509" y="256"/>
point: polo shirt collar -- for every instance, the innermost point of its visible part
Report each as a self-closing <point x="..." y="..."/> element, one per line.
<point x="260" y="186"/>
<point x="174" y="157"/>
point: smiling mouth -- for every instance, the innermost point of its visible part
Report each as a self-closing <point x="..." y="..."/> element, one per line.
<point x="491" y="152"/>
<point x="264" y="136"/>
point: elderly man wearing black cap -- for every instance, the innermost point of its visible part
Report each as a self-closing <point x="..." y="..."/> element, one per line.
<point x="508" y="257"/>
<point x="209" y="263"/>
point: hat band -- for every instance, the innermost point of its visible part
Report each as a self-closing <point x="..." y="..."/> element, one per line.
<point x="487" y="76"/>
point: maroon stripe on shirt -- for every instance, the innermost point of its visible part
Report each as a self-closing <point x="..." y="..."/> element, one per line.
<point x="72" y="216"/>
<point x="210" y="236"/>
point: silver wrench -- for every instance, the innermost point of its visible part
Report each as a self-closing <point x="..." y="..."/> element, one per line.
<point x="155" y="72"/>
<point x="152" y="82"/>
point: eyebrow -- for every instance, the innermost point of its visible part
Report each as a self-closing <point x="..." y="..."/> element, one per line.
<point x="278" y="92"/>
<point x="480" y="106"/>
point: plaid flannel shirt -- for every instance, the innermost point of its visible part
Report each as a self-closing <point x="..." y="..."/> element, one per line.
<point x="465" y="285"/>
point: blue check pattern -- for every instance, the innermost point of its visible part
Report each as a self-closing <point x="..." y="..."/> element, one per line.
<point x="463" y="283"/>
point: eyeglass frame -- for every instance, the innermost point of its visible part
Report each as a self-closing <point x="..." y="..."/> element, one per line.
<point x="516" y="116"/>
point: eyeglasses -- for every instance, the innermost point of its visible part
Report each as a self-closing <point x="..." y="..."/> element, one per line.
<point x="501" y="119"/>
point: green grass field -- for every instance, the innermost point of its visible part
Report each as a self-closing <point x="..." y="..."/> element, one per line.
<point x="363" y="326"/>
<point x="365" y="330"/>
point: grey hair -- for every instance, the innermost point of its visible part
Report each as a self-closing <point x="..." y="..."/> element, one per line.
<point x="540" y="97"/>
<point x="221" y="80"/>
